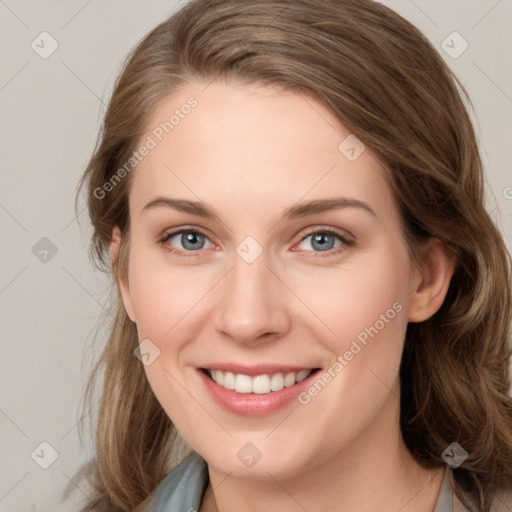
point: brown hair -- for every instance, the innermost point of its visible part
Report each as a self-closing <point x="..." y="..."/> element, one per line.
<point x="385" y="82"/>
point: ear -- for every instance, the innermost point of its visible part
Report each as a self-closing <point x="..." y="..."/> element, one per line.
<point x="122" y="282"/>
<point x="432" y="280"/>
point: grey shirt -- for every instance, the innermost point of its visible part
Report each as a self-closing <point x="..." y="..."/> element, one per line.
<point x="182" y="490"/>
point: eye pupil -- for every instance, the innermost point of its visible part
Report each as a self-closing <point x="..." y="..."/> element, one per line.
<point x="319" y="238"/>
<point x="191" y="238"/>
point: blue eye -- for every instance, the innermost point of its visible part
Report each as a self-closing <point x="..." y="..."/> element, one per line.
<point x="190" y="239"/>
<point x="323" y="240"/>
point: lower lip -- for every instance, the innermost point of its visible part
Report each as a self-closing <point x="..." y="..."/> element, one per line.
<point x="253" y="404"/>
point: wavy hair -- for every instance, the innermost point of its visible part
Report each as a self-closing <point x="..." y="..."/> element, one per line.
<point x="382" y="78"/>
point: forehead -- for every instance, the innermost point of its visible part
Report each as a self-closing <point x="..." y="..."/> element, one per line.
<point x="235" y="145"/>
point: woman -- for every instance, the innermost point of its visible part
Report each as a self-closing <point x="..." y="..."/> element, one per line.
<point x="290" y="199"/>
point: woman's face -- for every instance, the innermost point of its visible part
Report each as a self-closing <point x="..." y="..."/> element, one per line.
<point x="269" y="284"/>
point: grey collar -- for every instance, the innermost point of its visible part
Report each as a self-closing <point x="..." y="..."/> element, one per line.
<point x="444" y="501"/>
<point x="184" y="488"/>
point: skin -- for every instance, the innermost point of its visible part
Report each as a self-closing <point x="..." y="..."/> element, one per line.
<point x="250" y="152"/>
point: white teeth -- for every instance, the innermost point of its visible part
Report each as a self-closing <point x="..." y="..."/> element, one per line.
<point x="302" y="375"/>
<point x="218" y="377"/>
<point x="260" y="384"/>
<point x="243" y="384"/>
<point x="289" y="380"/>
<point x="277" y="382"/>
<point x="229" y="380"/>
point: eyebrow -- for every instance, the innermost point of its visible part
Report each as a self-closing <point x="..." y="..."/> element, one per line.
<point x="301" y="210"/>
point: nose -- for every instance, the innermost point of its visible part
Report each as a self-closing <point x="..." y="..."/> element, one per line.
<point x="252" y="305"/>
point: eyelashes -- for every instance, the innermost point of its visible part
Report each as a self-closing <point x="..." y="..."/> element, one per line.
<point x="345" y="241"/>
<point x="165" y="242"/>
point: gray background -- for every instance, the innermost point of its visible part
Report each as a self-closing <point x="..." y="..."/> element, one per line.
<point x="51" y="112"/>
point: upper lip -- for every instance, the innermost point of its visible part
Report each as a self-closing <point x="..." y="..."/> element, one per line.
<point x="258" y="369"/>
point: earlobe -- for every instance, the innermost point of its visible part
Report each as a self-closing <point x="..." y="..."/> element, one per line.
<point x="438" y="266"/>
<point x="122" y="279"/>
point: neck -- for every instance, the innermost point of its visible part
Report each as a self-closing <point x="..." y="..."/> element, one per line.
<point x="376" y="472"/>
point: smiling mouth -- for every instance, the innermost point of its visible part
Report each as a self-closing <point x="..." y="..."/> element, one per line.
<point x="260" y="384"/>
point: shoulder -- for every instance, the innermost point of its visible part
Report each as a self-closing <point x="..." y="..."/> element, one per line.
<point x="183" y="488"/>
<point x="502" y="501"/>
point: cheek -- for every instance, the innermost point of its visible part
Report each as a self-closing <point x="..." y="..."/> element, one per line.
<point x="164" y="297"/>
<point x="362" y="307"/>
<point x="364" y="294"/>
<point x="167" y="307"/>
<point x="365" y="307"/>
